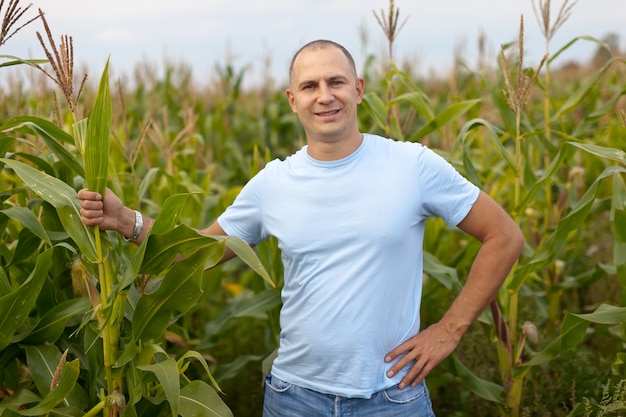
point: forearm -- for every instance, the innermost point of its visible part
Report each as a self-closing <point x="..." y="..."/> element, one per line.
<point x="127" y="225"/>
<point x="491" y="266"/>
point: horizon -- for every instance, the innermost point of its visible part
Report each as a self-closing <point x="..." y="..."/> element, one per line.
<point x="212" y="33"/>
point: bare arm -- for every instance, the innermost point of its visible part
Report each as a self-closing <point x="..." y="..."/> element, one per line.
<point x="109" y="213"/>
<point x="502" y="243"/>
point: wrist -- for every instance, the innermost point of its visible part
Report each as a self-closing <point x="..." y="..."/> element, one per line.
<point x="131" y="224"/>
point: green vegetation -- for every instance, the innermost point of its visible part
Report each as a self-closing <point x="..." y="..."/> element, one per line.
<point x="92" y="325"/>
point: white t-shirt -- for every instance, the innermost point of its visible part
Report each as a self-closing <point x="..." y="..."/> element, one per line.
<point x="351" y="233"/>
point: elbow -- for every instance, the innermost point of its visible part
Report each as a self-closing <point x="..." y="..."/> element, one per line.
<point x="516" y="240"/>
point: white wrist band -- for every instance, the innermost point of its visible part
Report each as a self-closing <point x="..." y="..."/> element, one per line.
<point x="137" y="229"/>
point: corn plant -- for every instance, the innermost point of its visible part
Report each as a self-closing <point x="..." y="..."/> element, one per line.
<point x="96" y="349"/>
<point x="513" y="143"/>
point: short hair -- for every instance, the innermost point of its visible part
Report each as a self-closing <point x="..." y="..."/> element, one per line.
<point x="322" y="44"/>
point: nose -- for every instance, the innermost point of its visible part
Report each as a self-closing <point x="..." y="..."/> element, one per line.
<point x="325" y="94"/>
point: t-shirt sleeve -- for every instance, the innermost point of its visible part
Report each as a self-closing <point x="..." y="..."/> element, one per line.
<point x="446" y="193"/>
<point x="243" y="218"/>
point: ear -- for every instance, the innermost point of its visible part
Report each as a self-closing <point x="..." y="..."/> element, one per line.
<point x="360" y="88"/>
<point x="292" y="100"/>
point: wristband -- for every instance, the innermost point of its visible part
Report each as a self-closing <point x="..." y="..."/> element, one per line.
<point x="137" y="229"/>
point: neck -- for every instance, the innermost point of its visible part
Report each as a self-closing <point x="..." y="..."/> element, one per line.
<point x="325" y="150"/>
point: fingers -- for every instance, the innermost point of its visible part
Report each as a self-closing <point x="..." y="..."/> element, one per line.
<point x="418" y="370"/>
<point x="415" y="375"/>
<point x="85" y="194"/>
<point x="406" y="349"/>
<point x="91" y="207"/>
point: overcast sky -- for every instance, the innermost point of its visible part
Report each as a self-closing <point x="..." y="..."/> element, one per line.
<point x="203" y="33"/>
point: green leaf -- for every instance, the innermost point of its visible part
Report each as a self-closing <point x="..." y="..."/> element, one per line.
<point x="97" y="140"/>
<point x="418" y="100"/>
<point x="246" y="254"/>
<point x="613" y="154"/>
<point x="483" y="388"/>
<point x="618" y="227"/>
<point x="146" y="182"/>
<point x="178" y="292"/>
<point x="51" y="134"/>
<point x="16" y="306"/>
<point x="577" y="97"/>
<point x="63" y="198"/>
<point x="14" y="60"/>
<point x="245" y="304"/>
<point x="259" y="305"/>
<point x="65" y="385"/>
<point x="19" y="399"/>
<point x="376" y="109"/>
<point x="162" y="249"/>
<point x="600" y="43"/>
<point x="167" y="373"/>
<point x="197" y="399"/>
<point x="42" y="364"/>
<point x="573" y="332"/>
<point x="445" y="275"/>
<point x="192" y="354"/>
<point x="29" y="220"/>
<point x="446" y="116"/>
<point x="551" y="248"/>
<point x="52" y="324"/>
<point x="494" y="133"/>
<point x="234" y="368"/>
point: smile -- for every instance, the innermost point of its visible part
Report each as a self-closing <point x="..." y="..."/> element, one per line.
<point x="328" y="113"/>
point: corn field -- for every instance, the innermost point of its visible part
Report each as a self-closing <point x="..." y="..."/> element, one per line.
<point x="91" y="325"/>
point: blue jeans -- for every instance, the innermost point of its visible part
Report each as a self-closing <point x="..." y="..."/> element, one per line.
<point x="283" y="399"/>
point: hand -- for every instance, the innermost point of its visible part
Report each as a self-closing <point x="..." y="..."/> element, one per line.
<point x="106" y="213"/>
<point x="426" y="350"/>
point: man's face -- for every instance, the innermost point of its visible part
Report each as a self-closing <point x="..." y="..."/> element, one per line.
<point x="325" y="92"/>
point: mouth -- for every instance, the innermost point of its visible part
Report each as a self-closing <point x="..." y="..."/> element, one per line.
<point x="329" y="113"/>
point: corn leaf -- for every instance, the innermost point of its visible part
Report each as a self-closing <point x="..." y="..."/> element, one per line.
<point x="577" y="97"/>
<point x="419" y="101"/>
<point x="246" y="304"/>
<point x="481" y="387"/>
<point x="618" y="228"/>
<point x="192" y="354"/>
<point x="66" y="383"/>
<point x="51" y="134"/>
<point x="16" y="306"/>
<point x="43" y="361"/>
<point x="572" y="42"/>
<point x="494" y="133"/>
<point x="376" y="109"/>
<point x="63" y="198"/>
<point x="14" y="60"/>
<point x="197" y="399"/>
<point x="29" y="220"/>
<point x="551" y="248"/>
<point x="167" y="373"/>
<point x="178" y="292"/>
<point x="97" y="139"/>
<point x="53" y="322"/>
<point x="162" y="250"/>
<point x="574" y="330"/>
<point x="446" y="116"/>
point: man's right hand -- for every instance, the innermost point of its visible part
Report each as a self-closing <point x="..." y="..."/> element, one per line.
<point x="107" y="213"/>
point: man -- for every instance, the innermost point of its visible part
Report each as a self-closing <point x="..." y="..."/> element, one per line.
<point x="348" y="211"/>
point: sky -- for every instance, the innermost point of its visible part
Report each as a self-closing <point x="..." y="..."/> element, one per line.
<point x="262" y="35"/>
